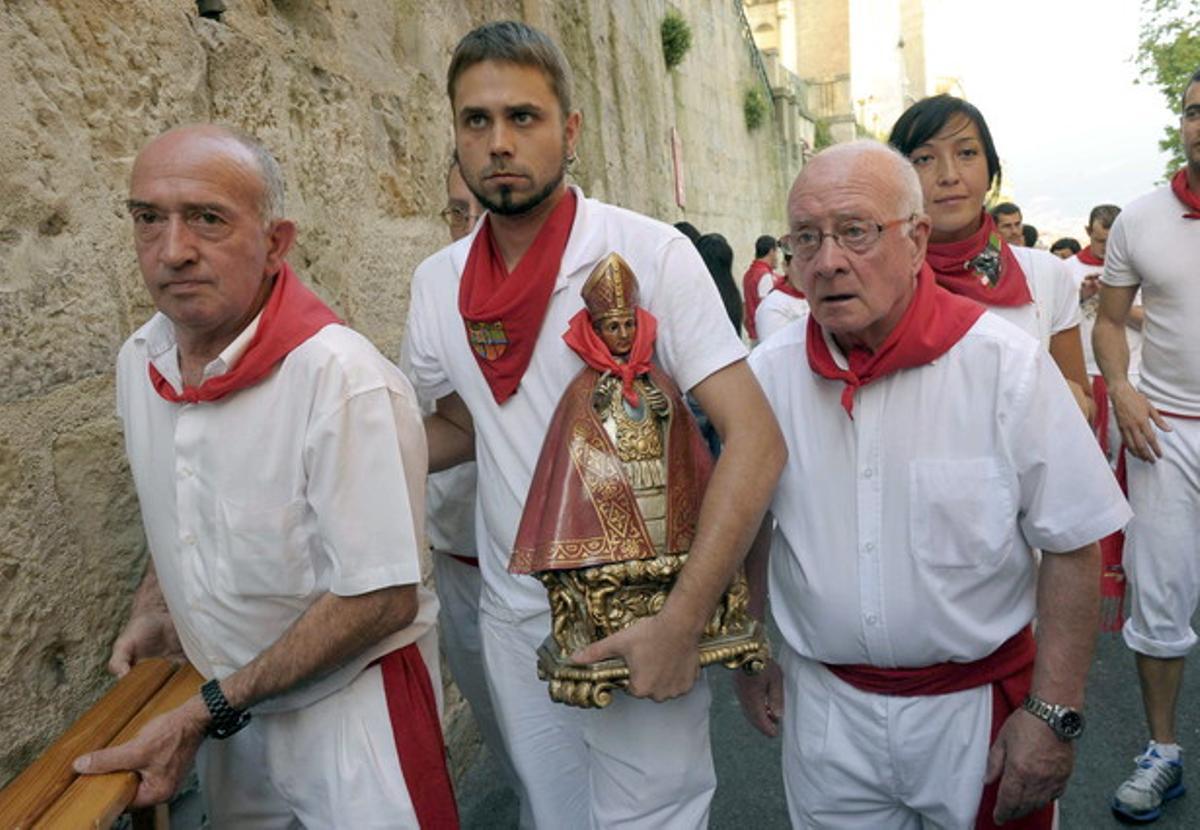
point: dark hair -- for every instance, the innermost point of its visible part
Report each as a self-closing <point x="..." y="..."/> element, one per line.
<point x="689" y="230"/>
<point x="1068" y="243"/>
<point x="1104" y="214"/>
<point x="718" y="256"/>
<point x="764" y="245"/>
<point x="1031" y="235"/>
<point x="511" y="41"/>
<point x="1195" y="79"/>
<point x="925" y="119"/>
<point x="1004" y="209"/>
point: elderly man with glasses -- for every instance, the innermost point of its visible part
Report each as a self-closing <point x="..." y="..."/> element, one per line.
<point x="931" y="447"/>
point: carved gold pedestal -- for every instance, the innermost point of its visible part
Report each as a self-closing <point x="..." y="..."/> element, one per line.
<point x="589" y="604"/>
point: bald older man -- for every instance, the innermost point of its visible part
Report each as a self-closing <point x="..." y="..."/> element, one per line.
<point x="279" y="462"/>
<point x="931" y="447"/>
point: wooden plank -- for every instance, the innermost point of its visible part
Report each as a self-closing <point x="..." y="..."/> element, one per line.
<point x="33" y="791"/>
<point x="97" y="801"/>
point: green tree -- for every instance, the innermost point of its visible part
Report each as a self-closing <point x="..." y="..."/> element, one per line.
<point x="1167" y="55"/>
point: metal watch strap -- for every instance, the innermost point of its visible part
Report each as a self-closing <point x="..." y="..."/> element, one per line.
<point x="1066" y="722"/>
<point x="225" y="719"/>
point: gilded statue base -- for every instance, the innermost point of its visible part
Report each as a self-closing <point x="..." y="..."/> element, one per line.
<point x="588" y="604"/>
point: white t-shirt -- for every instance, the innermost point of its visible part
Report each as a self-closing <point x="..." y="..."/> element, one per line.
<point x="1055" y="305"/>
<point x="1088" y="309"/>
<point x="1151" y="245"/>
<point x="311" y="481"/>
<point x="777" y="310"/>
<point x="694" y="340"/>
<point x="904" y="535"/>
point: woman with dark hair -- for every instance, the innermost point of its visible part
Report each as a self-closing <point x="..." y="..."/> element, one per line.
<point x="718" y="256"/>
<point x="948" y="142"/>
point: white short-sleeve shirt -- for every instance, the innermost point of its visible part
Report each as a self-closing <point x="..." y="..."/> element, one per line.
<point x="777" y="310"/>
<point x="1088" y="308"/>
<point x="694" y="340"/>
<point x="904" y="535"/>
<point x="1151" y="245"/>
<point x="1055" y="304"/>
<point x="310" y="481"/>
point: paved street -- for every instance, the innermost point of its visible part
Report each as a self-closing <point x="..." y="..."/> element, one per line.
<point x="750" y="789"/>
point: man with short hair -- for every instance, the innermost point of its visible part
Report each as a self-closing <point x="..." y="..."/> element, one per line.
<point x="450" y="524"/>
<point x="1154" y="247"/>
<point x="1009" y="223"/>
<point x="931" y="446"/>
<point x="279" y="463"/>
<point x="758" y="281"/>
<point x="1085" y="269"/>
<point x="1065" y="247"/>
<point x="462" y="209"/>
<point x="485" y="335"/>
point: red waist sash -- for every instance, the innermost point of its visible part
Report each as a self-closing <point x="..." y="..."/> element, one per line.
<point x="1009" y="670"/>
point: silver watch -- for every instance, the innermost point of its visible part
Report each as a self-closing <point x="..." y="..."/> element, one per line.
<point x="1066" y="722"/>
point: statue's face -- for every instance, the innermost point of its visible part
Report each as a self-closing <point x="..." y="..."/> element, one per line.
<point x="617" y="332"/>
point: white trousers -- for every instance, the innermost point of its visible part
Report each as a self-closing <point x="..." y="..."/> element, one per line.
<point x="852" y="759"/>
<point x="332" y="764"/>
<point x="458" y="586"/>
<point x="1162" y="544"/>
<point x="633" y="764"/>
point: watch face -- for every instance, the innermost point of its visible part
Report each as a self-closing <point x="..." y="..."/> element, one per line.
<point x="1070" y="724"/>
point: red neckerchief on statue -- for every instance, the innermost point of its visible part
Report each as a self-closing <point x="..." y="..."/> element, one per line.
<point x="503" y="312"/>
<point x="933" y="322"/>
<point x="1088" y="258"/>
<point x="1179" y="186"/>
<point x="981" y="267"/>
<point x="584" y="341"/>
<point x="291" y="315"/>
<point x="782" y="283"/>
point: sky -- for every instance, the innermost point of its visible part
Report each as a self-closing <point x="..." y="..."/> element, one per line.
<point x="1055" y="81"/>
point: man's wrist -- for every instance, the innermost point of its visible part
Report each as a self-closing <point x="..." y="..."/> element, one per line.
<point x="1067" y="722"/>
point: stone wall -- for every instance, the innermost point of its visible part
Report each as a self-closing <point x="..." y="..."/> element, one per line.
<point x="349" y="94"/>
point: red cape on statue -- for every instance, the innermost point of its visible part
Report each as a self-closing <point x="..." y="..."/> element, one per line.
<point x="581" y="510"/>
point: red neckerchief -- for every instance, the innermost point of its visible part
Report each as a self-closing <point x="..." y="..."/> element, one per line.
<point x="1179" y="186"/>
<point x="750" y="281"/>
<point x="782" y="283"/>
<point x="933" y="322"/>
<point x="1088" y="258"/>
<point x="503" y="312"/>
<point x="995" y="278"/>
<point x="584" y="341"/>
<point x="291" y="315"/>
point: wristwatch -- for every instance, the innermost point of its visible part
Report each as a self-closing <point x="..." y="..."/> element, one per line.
<point x="225" y="719"/>
<point x="1066" y="722"/>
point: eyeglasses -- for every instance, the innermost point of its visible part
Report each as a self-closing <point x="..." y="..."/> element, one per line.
<point x="457" y="218"/>
<point x="854" y="235"/>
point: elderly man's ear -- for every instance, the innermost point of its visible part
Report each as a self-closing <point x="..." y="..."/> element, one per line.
<point x="279" y="241"/>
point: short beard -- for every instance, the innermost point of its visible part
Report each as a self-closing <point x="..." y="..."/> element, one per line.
<point x="507" y="207"/>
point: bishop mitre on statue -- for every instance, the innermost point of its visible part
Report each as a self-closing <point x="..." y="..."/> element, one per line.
<point x="612" y="508"/>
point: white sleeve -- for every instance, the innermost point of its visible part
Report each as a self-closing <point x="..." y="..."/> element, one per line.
<point x="366" y="463"/>
<point x="1068" y="494"/>
<point x="695" y="338"/>
<point x="419" y="350"/>
<point x="766" y="284"/>
<point x="1064" y="310"/>
<point x="1118" y="268"/>
<point x="770" y="318"/>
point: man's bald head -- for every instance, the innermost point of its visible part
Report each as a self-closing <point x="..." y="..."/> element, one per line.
<point x="893" y="176"/>
<point x="239" y="148"/>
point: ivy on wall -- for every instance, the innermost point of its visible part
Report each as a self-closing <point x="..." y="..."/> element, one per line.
<point x="676" y="38"/>
<point x="754" y="107"/>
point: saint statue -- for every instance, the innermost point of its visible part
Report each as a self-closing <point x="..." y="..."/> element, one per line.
<point x="612" y="508"/>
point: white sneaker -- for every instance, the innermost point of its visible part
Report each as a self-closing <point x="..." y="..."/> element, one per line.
<point x="1154" y="781"/>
